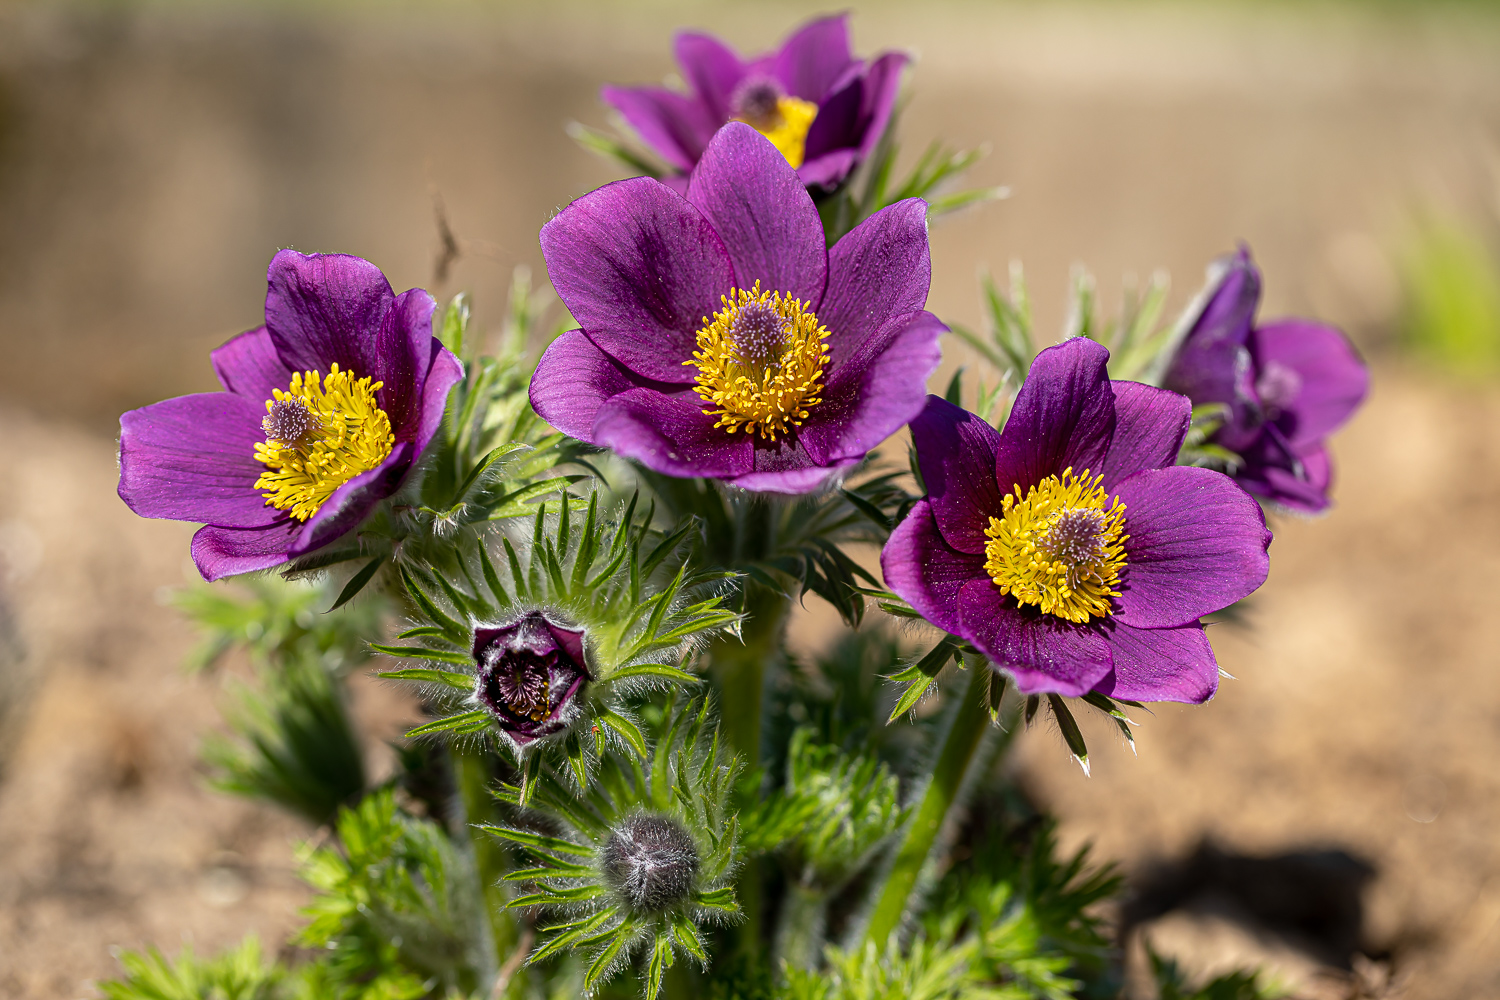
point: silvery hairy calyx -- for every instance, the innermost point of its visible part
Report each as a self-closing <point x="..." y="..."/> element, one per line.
<point x="576" y="546"/>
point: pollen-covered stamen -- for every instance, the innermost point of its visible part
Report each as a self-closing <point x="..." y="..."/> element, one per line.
<point x="346" y="433"/>
<point x="651" y="861"/>
<point x="760" y="362"/>
<point x="1061" y="548"/>
<point x="785" y="120"/>
<point x="523" y="683"/>
<point x="287" y="422"/>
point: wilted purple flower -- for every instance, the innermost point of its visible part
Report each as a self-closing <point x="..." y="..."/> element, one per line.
<point x="1068" y="548"/>
<point x="822" y="108"/>
<point x="530" y="673"/>
<point x="1288" y="385"/>
<point x="721" y="337"/>
<point x="325" y="410"/>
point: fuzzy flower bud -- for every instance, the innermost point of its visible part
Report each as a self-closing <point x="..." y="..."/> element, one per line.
<point x="651" y="861"/>
<point x="530" y="673"/>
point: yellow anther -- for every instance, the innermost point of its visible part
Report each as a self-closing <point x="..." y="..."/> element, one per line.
<point x="349" y="434"/>
<point x="787" y="128"/>
<point x="760" y="362"/>
<point x="1061" y="548"/>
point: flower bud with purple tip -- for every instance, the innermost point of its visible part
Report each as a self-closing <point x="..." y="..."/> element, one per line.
<point x="530" y="675"/>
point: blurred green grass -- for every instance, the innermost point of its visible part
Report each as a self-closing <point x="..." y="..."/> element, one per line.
<point x="1451" y="285"/>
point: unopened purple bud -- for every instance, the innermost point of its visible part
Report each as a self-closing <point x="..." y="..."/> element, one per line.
<point x="651" y="861"/>
<point x="529" y="674"/>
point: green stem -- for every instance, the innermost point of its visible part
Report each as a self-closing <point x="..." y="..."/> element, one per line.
<point x="965" y="733"/>
<point x="801" y="926"/>
<point x="739" y="669"/>
<point x="472" y="777"/>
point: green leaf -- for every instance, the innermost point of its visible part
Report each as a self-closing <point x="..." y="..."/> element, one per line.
<point x="421" y="631"/>
<point x="465" y="722"/>
<point x="424" y="653"/>
<point x="538" y="841"/>
<point x="662" y="670"/>
<point x="454" y="680"/>
<point x="628" y="730"/>
<point x="606" y="957"/>
<point x="719" y="899"/>
<point x="451" y="628"/>
<point x="1071" y="733"/>
<point x="661" y="960"/>
<point x="357" y="582"/>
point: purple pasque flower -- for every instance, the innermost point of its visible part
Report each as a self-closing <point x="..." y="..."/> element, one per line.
<point x="1288" y="385"/>
<point x="721" y="337"/>
<point x="1068" y="548"/>
<point x="530" y="675"/>
<point x="325" y="410"/>
<point x="822" y="108"/>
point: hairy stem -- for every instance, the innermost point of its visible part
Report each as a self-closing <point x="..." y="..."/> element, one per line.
<point x="471" y="778"/>
<point x="965" y="733"/>
<point x="800" y="929"/>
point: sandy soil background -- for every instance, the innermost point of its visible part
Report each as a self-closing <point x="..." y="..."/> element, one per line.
<point x="151" y="159"/>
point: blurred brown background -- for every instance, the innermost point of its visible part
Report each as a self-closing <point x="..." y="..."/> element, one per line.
<point x="152" y="158"/>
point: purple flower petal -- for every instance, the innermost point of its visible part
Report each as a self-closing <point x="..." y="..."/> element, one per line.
<point x="677" y="127"/>
<point x="443" y="373"/>
<point x="712" y="69"/>
<point x="404" y="349"/>
<point x="1168" y="664"/>
<point x="762" y="212"/>
<point x="866" y="400"/>
<point x="220" y="552"/>
<point x="671" y="434"/>
<point x="573" y="379"/>
<point x="193" y="459"/>
<point x="1063" y="417"/>
<point x="881" y="269"/>
<point x="784" y="466"/>
<point x="956" y="454"/>
<point x="925" y="571"/>
<point x="828" y="169"/>
<point x="882" y="85"/>
<point x="639" y="268"/>
<point x="326" y="308"/>
<point x="855" y="115"/>
<point x="1212" y="365"/>
<point x="1043" y="653"/>
<point x="1331" y="380"/>
<point x="348" y="505"/>
<point x="249" y="366"/>
<point x="814" y="58"/>
<point x="1197" y="543"/>
<point x="1295" y="479"/>
<point x="1150" y="424"/>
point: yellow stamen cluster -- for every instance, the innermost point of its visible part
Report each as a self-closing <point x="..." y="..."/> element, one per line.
<point x="787" y="128"/>
<point x="1061" y="548"/>
<point x="347" y="434"/>
<point x="760" y="362"/>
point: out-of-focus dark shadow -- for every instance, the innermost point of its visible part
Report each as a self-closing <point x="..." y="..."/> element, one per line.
<point x="1312" y="899"/>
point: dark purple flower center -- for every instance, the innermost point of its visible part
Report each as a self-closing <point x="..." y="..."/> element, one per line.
<point x="651" y="861"/>
<point x="1077" y="536"/>
<point x="757" y="102"/>
<point x="288" y="421"/>
<point x="1278" y="387"/>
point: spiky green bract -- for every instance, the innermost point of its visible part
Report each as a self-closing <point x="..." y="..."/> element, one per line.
<point x="397" y="903"/>
<point x="624" y="583"/>
<point x="683" y="778"/>
<point x="793" y="545"/>
<point x="296" y="745"/>
<point x="240" y="973"/>
<point x="491" y="460"/>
